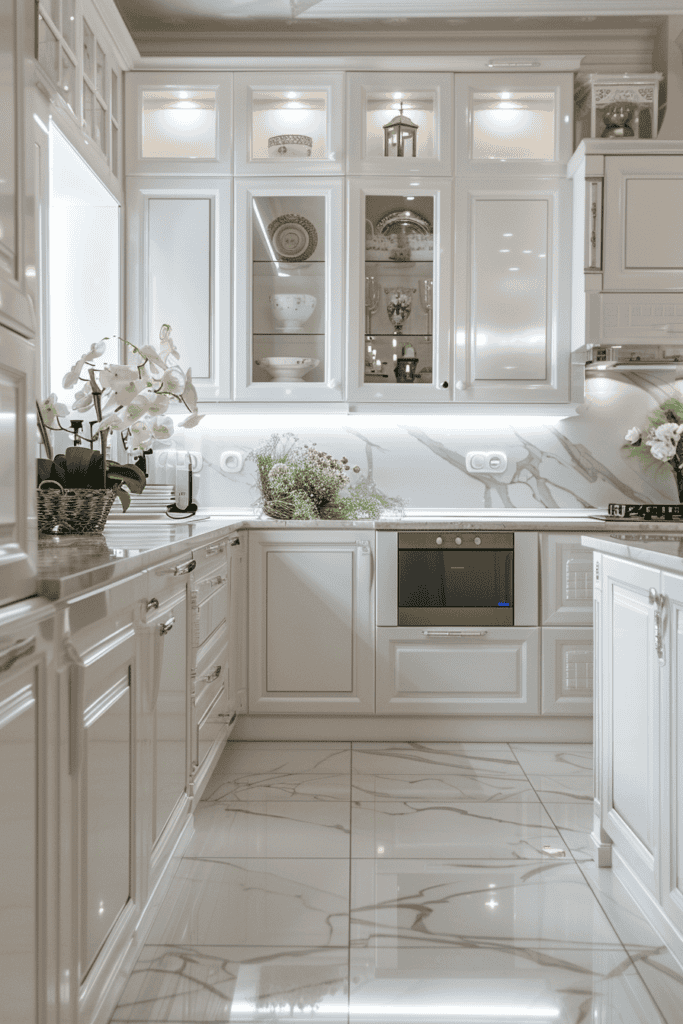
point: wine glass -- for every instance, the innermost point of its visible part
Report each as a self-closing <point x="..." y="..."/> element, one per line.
<point x="426" y="293"/>
<point x="372" y="297"/>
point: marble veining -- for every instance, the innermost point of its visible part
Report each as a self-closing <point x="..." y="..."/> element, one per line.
<point x="361" y="883"/>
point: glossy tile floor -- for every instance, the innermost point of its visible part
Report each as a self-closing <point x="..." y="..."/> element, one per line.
<point x="399" y="883"/>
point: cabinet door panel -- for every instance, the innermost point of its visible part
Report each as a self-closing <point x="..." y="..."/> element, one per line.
<point x="643" y="244"/>
<point x="310" y="621"/>
<point x="426" y="671"/>
<point x="566" y="581"/>
<point x="106" y="811"/>
<point x="311" y="632"/>
<point x="567" y="670"/>
<point x="170" y="713"/>
<point x="18" y="846"/>
<point x="671" y="746"/>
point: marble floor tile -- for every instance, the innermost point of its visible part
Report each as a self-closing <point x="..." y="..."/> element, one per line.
<point x="480" y="759"/>
<point x="498" y="904"/>
<point x="554" y="758"/>
<point x="256" y="902"/>
<point x="619" y="906"/>
<point x="574" y="823"/>
<point x="499" y="984"/>
<point x="293" y="828"/>
<point x="663" y="977"/>
<point x="282" y="758"/>
<point x="236" y="985"/>
<point x="449" y="787"/>
<point x="411" y="828"/>
<point x="276" y="786"/>
<point x="564" y="788"/>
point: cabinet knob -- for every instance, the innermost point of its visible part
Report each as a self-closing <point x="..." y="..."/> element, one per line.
<point x="439" y="540"/>
<point x="477" y="540"/>
<point x="444" y="384"/>
<point x="167" y="626"/>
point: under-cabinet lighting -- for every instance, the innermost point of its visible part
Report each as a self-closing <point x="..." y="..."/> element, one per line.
<point x="421" y="1011"/>
<point x="232" y="420"/>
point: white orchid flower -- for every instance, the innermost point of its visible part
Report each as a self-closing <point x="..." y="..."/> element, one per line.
<point x="633" y="435"/>
<point x="50" y="409"/>
<point x="83" y="399"/>
<point x="158" y="405"/>
<point x="165" y="332"/>
<point x="115" y="374"/>
<point x="168" y="348"/>
<point x="192" y="421"/>
<point x="162" y="427"/>
<point x="189" y="395"/>
<point x="152" y="356"/>
<point x="97" y="349"/>
<point x="112" y="422"/>
<point x="70" y="379"/>
<point x="134" y="410"/>
<point x="140" y="433"/>
<point x="126" y="392"/>
<point x="173" y="380"/>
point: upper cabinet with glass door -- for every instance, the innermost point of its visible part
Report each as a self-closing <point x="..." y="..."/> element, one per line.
<point x="513" y="124"/>
<point x="398" y="319"/>
<point x="288" y="290"/>
<point x="288" y="124"/>
<point x="179" y="123"/>
<point x="399" y="123"/>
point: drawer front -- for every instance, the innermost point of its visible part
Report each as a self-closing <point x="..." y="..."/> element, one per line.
<point x="212" y="557"/>
<point x="567" y="670"/>
<point x="213" y="725"/>
<point x="163" y="586"/>
<point x="209" y="681"/>
<point x="209" y="616"/>
<point x="469" y="671"/>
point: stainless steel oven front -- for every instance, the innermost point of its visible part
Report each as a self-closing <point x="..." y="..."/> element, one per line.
<point x="457" y="578"/>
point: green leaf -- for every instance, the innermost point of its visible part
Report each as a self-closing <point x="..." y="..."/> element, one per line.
<point x="79" y="461"/>
<point x="43" y="468"/>
<point x="131" y="476"/>
<point x="58" y="470"/>
<point x="124" y="497"/>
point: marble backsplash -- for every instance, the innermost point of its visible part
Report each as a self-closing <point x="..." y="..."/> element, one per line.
<point x="577" y="462"/>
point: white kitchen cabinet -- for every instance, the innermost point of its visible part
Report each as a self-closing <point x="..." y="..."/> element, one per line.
<point x="289" y="290"/>
<point x="100" y="856"/>
<point x="643" y="246"/>
<point x="567" y="670"/>
<point x="512" y="290"/>
<point x="311" y="615"/>
<point x="514" y="124"/>
<point x="629" y="692"/>
<point x="179" y="260"/>
<point x="566" y="581"/>
<point x="179" y="122"/>
<point x="376" y="98"/>
<point x="289" y="123"/>
<point x="27" y="835"/>
<point x="399" y="295"/>
<point x="671" y="751"/>
<point x="488" y="670"/>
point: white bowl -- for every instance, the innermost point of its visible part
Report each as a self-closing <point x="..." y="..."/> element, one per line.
<point x="290" y="146"/>
<point x="292" y="311"/>
<point x="287" y="367"/>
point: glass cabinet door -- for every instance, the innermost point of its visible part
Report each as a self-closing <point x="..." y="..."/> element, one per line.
<point x="289" y="274"/>
<point x="288" y="123"/>
<point x="178" y="123"/>
<point x="397" y="320"/>
<point x="399" y="123"/>
<point x="512" y="123"/>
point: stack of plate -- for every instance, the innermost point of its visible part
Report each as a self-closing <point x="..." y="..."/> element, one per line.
<point x="154" y="498"/>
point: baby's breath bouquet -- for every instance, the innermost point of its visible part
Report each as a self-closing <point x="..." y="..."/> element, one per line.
<point x="663" y="441"/>
<point x="301" y="482"/>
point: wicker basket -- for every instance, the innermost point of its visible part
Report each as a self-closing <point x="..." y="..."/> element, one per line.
<point x="73" y="511"/>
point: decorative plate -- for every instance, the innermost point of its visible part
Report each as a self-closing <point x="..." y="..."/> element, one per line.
<point x="294" y="238"/>
<point x="403" y="222"/>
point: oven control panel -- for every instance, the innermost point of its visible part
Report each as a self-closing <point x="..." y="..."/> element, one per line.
<point x="429" y="540"/>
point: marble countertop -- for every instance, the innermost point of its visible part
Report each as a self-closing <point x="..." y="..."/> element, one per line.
<point x="663" y="550"/>
<point x="71" y="565"/>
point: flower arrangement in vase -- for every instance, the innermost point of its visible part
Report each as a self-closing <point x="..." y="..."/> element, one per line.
<point x="663" y="441"/>
<point x="77" y="489"/>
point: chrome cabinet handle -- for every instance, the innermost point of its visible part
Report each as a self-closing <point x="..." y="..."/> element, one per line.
<point x="212" y="675"/>
<point x="167" y="626"/>
<point x="179" y="570"/>
<point x="153" y="603"/>
<point x="454" y="632"/>
<point x="214" y="549"/>
<point x="658" y="601"/>
<point x="19" y="649"/>
<point x="231" y="717"/>
<point x="234" y="542"/>
<point x="217" y="580"/>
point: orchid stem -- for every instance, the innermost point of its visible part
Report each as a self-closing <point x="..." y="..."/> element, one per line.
<point x="44" y="436"/>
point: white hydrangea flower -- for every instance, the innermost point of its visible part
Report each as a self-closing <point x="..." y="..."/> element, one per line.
<point x="633" y="435"/>
<point x="662" y="450"/>
<point x="669" y="432"/>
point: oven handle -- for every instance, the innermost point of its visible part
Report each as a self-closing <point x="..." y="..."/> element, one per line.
<point x="454" y="632"/>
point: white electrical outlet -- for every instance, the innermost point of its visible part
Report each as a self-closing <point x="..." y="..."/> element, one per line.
<point x="486" y="462"/>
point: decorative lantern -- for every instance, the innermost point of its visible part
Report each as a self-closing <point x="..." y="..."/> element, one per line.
<point x="398" y="133"/>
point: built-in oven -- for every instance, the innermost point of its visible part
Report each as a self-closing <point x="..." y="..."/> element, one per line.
<point x="457" y="578"/>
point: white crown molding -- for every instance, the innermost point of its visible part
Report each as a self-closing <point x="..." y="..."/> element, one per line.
<point x="122" y="41"/>
<point x="335" y="9"/>
<point x="629" y="49"/>
<point x="491" y="63"/>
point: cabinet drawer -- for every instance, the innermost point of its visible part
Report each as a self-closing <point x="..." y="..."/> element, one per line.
<point x="469" y="671"/>
<point x="211" y="726"/>
<point x="210" y="600"/>
<point x="212" y="677"/>
<point x="567" y="670"/>
<point x="212" y="558"/>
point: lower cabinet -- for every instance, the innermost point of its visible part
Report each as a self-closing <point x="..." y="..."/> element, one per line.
<point x="567" y="670"/>
<point x="458" y="671"/>
<point x="311" y="621"/>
